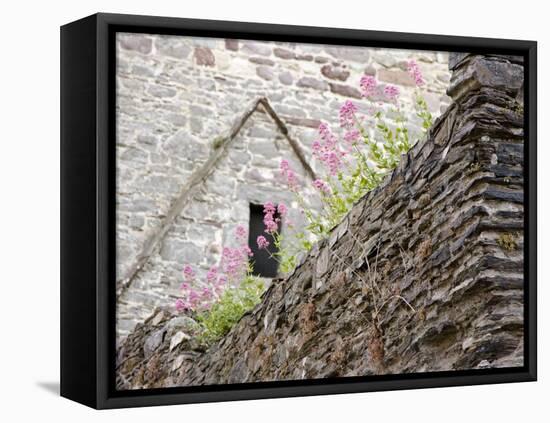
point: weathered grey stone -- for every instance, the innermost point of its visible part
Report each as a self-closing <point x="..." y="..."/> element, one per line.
<point x="177" y="339"/>
<point x="199" y="111"/>
<point x="135" y="155"/>
<point x="310" y="82"/>
<point x="152" y="343"/>
<point x="265" y="148"/>
<point x="257" y="131"/>
<point x="265" y="72"/>
<point x="256" y="48"/>
<point x="196" y="125"/>
<point x="172" y="47"/>
<point x="142" y="71"/>
<point x="335" y="72"/>
<point x="232" y="45"/>
<point x="456" y="58"/>
<point x="355" y="54"/>
<point x="181" y="251"/>
<point x="136" y="42"/>
<point x="261" y="61"/>
<point x="136" y="222"/>
<point x="177" y="119"/>
<point x="309" y="123"/>
<point x="290" y="111"/>
<point x="160" y="91"/>
<point x="184" y="145"/>
<point x="286" y="78"/>
<point x="386" y="58"/>
<point x="370" y="70"/>
<point x="284" y="53"/>
<point x="204" y="56"/>
<point x="345" y="90"/>
<point x="159" y="184"/>
<point x="397" y="77"/>
<point x="474" y="72"/>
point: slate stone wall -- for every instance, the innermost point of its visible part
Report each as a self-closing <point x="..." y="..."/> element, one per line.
<point x="177" y="95"/>
<point x="443" y="239"/>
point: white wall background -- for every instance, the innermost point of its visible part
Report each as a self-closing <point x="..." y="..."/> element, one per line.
<point x="29" y="178"/>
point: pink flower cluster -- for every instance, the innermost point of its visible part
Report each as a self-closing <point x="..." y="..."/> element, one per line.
<point x="352" y="136"/>
<point x="289" y="175"/>
<point x="270" y="221"/>
<point x="199" y="299"/>
<point x="262" y="242"/>
<point x="416" y="73"/>
<point x="347" y="115"/>
<point x="368" y="86"/>
<point x="199" y="296"/>
<point x="321" y="186"/>
<point x="391" y="92"/>
<point x="327" y="150"/>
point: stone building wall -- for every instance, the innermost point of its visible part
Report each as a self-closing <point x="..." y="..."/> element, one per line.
<point x="442" y="237"/>
<point x="177" y="95"/>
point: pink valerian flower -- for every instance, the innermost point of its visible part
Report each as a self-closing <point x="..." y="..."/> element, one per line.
<point x="333" y="161"/>
<point x="241" y="233"/>
<point x="271" y="223"/>
<point x="212" y="274"/>
<point x="347" y="115"/>
<point x="316" y="147"/>
<point x="232" y="268"/>
<point x="289" y="175"/>
<point x="321" y="186"/>
<point x="194" y="299"/>
<point x="188" y="273"/>
<point x="327" y="150"/>
<point x="262" y="242"/>
<point x="247" y="251"/>
<point x="284" y="166"/>
<point x="368" y="86"/>
<point x="352" y="136"/>
<point x="415" y="72"/>
<point x="206" y="293"/>
<point x="182" y="305"/>
<point x="282" y="210"/>
<point x="269" y="207"/>
<point x="233" y="263"/>
<point x="328" y="138"/>
<point x="391" y="92"/>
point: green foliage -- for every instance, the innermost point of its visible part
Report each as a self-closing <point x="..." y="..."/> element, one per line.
<point x="232" y="305"/>
<point x="423" y="113"/>
<point x="372" y="160"/>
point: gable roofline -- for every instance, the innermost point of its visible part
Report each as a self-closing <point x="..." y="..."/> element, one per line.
<point x="199" y="176"/>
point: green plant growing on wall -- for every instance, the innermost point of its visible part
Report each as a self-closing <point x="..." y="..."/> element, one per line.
<point x="370" y="148"/>
<point x="228" y="291"/>
<point x="228" y="309"/>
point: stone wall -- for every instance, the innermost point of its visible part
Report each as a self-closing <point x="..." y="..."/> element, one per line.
<point x="424" y="274"/>
<point x="177" y="95"/>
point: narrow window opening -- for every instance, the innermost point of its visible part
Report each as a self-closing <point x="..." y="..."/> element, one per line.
<point x="263" y="263"/>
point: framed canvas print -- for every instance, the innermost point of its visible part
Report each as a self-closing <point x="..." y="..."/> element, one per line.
<point x="255" y="211"/>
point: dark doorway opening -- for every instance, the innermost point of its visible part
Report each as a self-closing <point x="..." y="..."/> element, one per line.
<point x="263" y="264"/>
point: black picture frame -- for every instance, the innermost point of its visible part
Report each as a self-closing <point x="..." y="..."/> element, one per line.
<point x="88" y="212"/>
